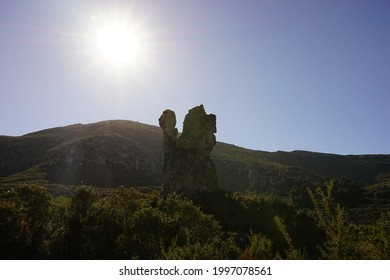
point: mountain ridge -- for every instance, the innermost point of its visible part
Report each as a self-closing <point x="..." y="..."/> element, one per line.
<point x="121" y="152"/>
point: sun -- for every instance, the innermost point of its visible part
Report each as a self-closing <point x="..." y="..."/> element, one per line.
<point x="118" y="43"/>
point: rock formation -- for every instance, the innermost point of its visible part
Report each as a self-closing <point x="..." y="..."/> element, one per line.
<point x="188" y="169"/>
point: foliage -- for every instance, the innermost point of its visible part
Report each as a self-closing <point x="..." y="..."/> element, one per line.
<point x="260" y="247"/>
<point x="129" y="224"/>
<point x="252" y="214"/>
<point x="376" y="239"/>
<point x="291" y="252"/>
<point x="24" y="220"/>
<point x="331" y="218"/>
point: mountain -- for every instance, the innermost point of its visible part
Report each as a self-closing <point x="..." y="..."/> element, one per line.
<point x="109" y="153"/>
<point x="120" y="152"/>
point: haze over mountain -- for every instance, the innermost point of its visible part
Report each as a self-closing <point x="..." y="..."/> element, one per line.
<point x="121" y="152"/>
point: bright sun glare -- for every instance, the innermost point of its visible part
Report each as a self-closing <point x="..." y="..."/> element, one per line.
<point x="117" y="43"/>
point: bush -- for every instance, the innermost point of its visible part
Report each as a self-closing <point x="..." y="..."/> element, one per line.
<point x="128" y="224"/>
<point x="24" y="221"/>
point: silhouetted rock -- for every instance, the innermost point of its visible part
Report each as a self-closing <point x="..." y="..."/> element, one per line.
<point x="188" y="169"/>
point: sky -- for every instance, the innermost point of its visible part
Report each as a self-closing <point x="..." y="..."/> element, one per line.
<point x="279" y="74"/>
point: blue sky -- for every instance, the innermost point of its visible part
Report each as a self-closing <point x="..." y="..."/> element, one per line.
<point x="279" y="74"/>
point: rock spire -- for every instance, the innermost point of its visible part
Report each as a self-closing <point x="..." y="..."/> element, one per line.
<point x="188" y="168"/>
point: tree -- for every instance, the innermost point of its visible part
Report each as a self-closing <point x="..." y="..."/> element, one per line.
<point x="341" y="240"/>
<point x="376" y="239"/>
<point x="24" y="220"/>
<point x="74" y="237"/>
<point x="192" y="234"/>
<point x="10" y="229"/>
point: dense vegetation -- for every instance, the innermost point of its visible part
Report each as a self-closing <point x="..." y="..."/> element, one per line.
<point x="128" y="224"/>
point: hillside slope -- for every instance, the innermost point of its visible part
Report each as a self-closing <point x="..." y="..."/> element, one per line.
<point x="120" y="152"/>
